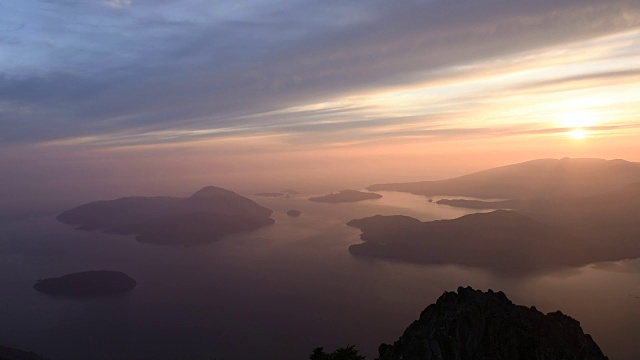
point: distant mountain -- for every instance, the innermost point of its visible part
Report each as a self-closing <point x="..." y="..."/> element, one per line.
<point x="579" y="211"/>
<point x="87" y="284"/>
<point x="475" y="325"/>
<point x="532" y="179"/>
<point x="346" y="196"/>
<point x="201" y="218"/>
<point x="501" y="240"/>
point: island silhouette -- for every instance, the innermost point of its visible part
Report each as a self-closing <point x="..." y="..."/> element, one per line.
<point x="559" y="213"/>
<point x="87" y="284"/>
<point x="346" y="196"/>
<point x="205" y="216"/>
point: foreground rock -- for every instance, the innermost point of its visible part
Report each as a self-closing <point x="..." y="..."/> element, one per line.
<point x="87" y="284"/>
<point x="471" y="324"/>
<point x="204" y="217"/>
<point x="7" y="353"/>
<point x="346" y="196"/>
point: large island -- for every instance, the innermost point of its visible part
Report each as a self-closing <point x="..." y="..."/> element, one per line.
<point x="551" y="214"/>
<point x="203" y="217"/>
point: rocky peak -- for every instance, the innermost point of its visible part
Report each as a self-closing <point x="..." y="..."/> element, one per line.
<point x="474" y="325"/>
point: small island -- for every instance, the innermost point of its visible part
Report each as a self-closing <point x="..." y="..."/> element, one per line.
<point x="271" y="194"/>
<point x="87" y="284"/>
<point x="294" y="213"/>
<point x="346" y="196"/>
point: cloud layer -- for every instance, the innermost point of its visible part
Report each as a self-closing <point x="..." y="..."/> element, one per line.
<point x="157" y="71"/>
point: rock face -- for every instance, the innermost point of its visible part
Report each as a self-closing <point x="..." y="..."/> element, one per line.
<point x="346" y="196"/>
<point x="201" y="218"/>
<point x="474" y="325"/>
<point x="87" y="284"/>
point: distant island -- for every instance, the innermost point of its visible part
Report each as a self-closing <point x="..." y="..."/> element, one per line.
<point x="205" y="216"/>
<point x="577" y="211"/>
<point x="271" y="194"/>
<point x="294" y="213"/>
<point x="346" y="196"/>
<point x="472" y="324"/>
<point x="87" y="284"/>
<point x="531" y="179"/>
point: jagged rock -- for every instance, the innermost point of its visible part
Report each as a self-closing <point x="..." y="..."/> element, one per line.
<point x="474" y="325"/>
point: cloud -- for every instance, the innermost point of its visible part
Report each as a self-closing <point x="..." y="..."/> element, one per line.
<point x="212" y="68"/>
<point x="119" y="3"/>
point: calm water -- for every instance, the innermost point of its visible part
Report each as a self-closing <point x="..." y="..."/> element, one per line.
<point x="276" y="293"/>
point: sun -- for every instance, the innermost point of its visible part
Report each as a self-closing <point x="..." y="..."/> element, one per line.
<point x="578" y="134"/>
<point x="578" y="123"/>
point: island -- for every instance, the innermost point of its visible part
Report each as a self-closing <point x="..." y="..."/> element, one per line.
<point x="346" y="196"/>
<point x="271" y="194"/>
<point x="204" y="217"/>
<point x="87" y="284"/>
<point x="294" y="213"/>
<point x="551" y="214"/>
<point x="502" y="241"/>
<point x="542" y="178"/>
<point x="472" y="324"/>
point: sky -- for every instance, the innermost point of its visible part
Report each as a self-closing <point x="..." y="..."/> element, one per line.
<point x="105" y="98"/>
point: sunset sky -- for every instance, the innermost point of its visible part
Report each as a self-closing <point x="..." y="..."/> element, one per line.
<point x="165" y="96"/>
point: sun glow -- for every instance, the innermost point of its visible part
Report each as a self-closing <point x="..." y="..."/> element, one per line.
<point x="579" y="119"/>
<point x="578" y="134"/>
<point x="578" y="123"/>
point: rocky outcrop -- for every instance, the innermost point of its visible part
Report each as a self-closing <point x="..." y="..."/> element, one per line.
<point x="476" y="325"/>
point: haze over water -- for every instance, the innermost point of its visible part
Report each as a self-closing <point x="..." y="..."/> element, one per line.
<point x="277" y="292"/>
<point x="105" y="99"/>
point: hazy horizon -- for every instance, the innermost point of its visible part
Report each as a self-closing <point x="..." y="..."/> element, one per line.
<point x="112" y="98"/>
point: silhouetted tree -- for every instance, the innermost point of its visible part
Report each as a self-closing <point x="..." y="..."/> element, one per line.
<point x="345" y="353"/>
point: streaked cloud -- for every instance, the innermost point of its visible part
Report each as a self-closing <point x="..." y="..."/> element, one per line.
<point x="170" y="71"/>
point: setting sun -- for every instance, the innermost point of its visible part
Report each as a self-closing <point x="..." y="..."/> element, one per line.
<point x="579" y="134"/>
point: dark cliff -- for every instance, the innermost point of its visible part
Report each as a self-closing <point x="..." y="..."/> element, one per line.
<point x="474" y="325"/>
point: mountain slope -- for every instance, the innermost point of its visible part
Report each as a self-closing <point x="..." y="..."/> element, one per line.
<point x="531" y="179"/>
